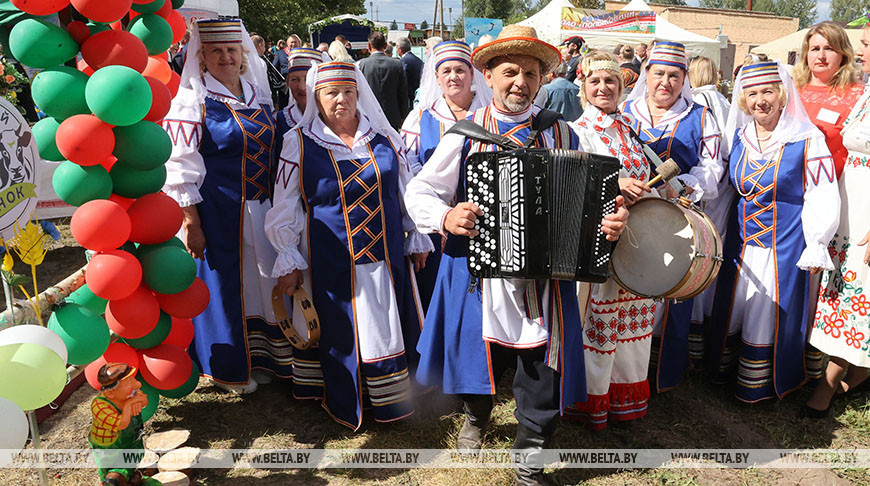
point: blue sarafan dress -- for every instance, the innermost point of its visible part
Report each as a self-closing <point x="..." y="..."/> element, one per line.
<point x="339" y="216"/>
<point x="467" y="316"/>
<point x="220" y="163"/>
<point x="785" y="214"/>
<point x="688" y="134"/>
<point x="422" y="132"/>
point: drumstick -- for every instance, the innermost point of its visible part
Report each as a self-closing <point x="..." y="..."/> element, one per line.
<point x="667" y="171"/>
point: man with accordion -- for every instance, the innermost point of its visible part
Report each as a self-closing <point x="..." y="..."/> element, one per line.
<point x="477" y="326"/>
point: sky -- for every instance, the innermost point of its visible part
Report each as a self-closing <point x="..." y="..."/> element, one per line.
<point x="418" y="10"/>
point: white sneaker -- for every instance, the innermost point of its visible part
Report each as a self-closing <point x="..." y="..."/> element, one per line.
<point x="245" y="389"/>
<point x="262" y="377"/>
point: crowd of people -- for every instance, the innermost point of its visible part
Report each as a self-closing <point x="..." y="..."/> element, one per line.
<point x="302" y="168"/>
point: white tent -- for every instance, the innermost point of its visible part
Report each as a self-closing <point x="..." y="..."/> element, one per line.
<point x="779" y="49"/>
<point x="209" y="9"/>
<point x="548" y="23"/>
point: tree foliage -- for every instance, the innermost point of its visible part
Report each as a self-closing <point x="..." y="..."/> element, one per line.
<point x="277" y="19"/>
<point x="848" y="10"/>
<point x="805" y="10"/>
<point x="424" y="25"/>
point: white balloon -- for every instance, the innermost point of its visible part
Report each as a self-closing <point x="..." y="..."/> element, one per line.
<point x="13" y="423"/>
<point x="36" y="335"/>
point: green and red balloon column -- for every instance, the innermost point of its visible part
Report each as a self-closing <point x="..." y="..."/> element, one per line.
<point x="104" y="125"/>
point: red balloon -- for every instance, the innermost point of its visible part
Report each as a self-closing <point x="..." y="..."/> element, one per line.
<point x="174" y="83"/>
<point x="161" y="99"/>
<point x="85" y="139"/>
<point x="179" y="27"/>
<point x="155" y="218"/>
<point x="116" y="25"/>
<point x="40" y="7"/>
<point x="83" y="66"/>
<point x="124" y="202"/>
<point x="165" y="9"/>
<point x="158" y="68"/>
<point x="188" y="303"/>
<point x="165" y="366"/>
<point x="101" y="10"/>
<point x="142" y="2"/>
<point x="79" y="31"/>
<point x="115" y="47"/>
<point x="100" y="225"/>
<point x="135" y="315"/>
<point x="108" y="163"/>
<point x="115" y="353"/>
<point x="113" y="274"/>
<point x="181" y="334"/>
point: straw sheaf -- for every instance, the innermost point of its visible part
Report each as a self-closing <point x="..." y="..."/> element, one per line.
<point x="517" y="40"/>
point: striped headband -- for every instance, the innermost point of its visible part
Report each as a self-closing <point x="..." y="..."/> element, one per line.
<point x="335" y="73"/>
<point x="301" y="59"/>
<point x="220" y="31"/>
<point x="760" y="73"/>
<point x="602" y="65"/>
<point x="451" y="51"/>
<point x="669" y="54"/>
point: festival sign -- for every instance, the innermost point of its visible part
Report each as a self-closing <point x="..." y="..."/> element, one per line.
<point x="475" y="28"/>
<point x="18" y="170"/>
<point x="608" y="21"/>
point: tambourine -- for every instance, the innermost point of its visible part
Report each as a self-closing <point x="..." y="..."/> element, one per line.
<point x="285" y="321"/>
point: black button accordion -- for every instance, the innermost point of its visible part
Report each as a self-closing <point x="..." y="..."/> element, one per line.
<point x="542" y="211"/>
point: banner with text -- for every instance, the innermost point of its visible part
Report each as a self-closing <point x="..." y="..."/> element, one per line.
<point x="608" y="21"/>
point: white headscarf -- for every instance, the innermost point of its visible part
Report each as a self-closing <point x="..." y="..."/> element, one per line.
<point x="367" y="105"/>
<point x="430" y="90"/>
<point x="666" y="53"/>
<point x="640" y="90"/>
<point x="794" y="123"/>
<point x="191" y="76"/>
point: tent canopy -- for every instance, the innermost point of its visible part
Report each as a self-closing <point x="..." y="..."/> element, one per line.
<point x="228" y="8"/>
<point x="779" y="49"/>
<point x="548" y="24"/>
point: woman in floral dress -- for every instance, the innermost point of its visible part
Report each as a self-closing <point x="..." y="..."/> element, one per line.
<point x="842" y="323"/>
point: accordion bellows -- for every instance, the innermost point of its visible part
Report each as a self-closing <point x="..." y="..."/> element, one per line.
<point x="542" y="211"/>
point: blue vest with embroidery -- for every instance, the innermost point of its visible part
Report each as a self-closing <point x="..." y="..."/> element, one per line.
<point x="772" y="195"/>
<point x="431" y="131"/>
<point x="681" y="142"/>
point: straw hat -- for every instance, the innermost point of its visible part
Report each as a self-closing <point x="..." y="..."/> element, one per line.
<point x="517" y="40"/>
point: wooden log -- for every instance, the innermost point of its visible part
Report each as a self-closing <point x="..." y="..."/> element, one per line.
<point x="23" y="311"/>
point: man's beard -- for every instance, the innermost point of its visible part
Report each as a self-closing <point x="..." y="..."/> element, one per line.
<point x="516" y="106"/>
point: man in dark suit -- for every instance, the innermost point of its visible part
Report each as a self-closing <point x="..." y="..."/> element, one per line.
<point x="386" y="77"/>
<point x="413" y="67"/>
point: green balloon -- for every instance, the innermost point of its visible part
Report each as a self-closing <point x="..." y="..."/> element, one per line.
<point x="76" y="185"/>
<point x="142" y="250"/>
<point x="33" y="375"/>
<point x="154" y="31"/>
<point x="134" y="183"/>
<point x="85" y="298"/>
<point x="96" y="27"/>
<point x="60" y="92"/>
<point x="85" y="334"/>
<point x="44" y="132"/>
<point x="153" y="398"/>
<point x="156" y="336"/>
<point x="168" y="270"/>
<point x="187" y="388"/>
<point x="40" y="44"/>
<point x="142" y="146"/>
<point x="148" y="8"/>
<point x="118" y="95"/>
<point x="176" y="4"/>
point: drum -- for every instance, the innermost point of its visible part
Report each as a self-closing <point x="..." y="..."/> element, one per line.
<point x="669" y="249"/>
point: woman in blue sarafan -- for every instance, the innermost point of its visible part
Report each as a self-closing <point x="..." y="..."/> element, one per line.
<point x="786" y="212"/>
<point x="339" y="220"/>
<point x="222" y="129"/>
<point x="299" y="62"/>
<point x="451" y="89"/>
<point x="673" y="126"/>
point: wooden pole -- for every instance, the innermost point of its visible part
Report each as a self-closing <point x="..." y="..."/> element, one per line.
<point x="749" y="5"/>
<point x="442" y="20"/>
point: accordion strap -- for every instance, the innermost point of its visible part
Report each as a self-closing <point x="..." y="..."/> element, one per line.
<point x="544" y="120"/>
<point x="469" y="129"/>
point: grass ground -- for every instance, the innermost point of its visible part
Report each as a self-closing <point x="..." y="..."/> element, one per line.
<point x="696" y="415"/>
